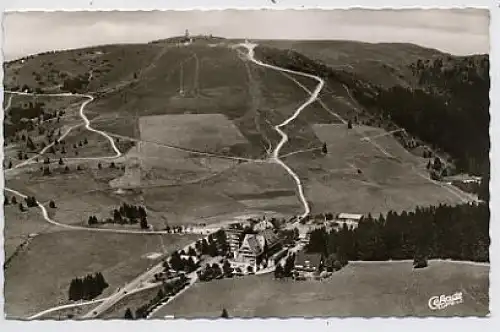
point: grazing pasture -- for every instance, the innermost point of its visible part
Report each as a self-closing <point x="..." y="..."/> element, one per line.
<point x="203" y="132"/>
<point x="355" y="176"/>
<point x="359" y="289"/>
<point x="39" y="277"/>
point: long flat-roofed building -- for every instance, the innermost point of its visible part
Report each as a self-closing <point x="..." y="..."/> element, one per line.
<point x="234" y="234"/>
<point x="351" y="220"/>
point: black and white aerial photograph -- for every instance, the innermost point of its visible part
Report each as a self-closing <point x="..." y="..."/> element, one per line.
<point x="227" y="164"/>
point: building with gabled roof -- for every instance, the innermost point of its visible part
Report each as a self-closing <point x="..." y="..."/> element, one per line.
<point x="251" y="248"/>
<point x="257" y="247"/>
<point x="271" y="238"/>
<point x="307" y="264"/>
<point x="234" y="234"/>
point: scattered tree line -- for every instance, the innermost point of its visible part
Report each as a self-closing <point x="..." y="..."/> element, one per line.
<point x="88" y="287"/>
<point x="167" y="290"/>
<point x="215" y="246"/>
<point x="210" y="272"/>
<point x="8" y="201"/>
<point x="128" y="213"/>
<point x="125" y="214"/>
<point x="27" y="118"/>
<point x="447" y="232"/>
<point x="30" y="202"/>
<point x="173" y="229"/>
<point x="290" y="236"/>
<point x="179" y="263"/>
<point x="286" y="270"/>
<point x="75" y="84"/>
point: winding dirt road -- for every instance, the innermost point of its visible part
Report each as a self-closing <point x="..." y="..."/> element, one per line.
<point x="117" y="154"/>
<point x="284" y="137"/>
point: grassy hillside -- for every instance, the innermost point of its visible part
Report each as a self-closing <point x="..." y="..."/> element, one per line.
<point x="382" y="64"/>
<point x="380" y="85"/>
<point x="432" y="91"/>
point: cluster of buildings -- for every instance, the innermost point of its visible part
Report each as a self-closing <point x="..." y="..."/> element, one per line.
<point x="258" y="244"/>
<point x="254" y="245"/>
<point x="350" y="220"/>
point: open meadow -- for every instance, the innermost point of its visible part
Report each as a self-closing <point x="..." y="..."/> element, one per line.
<point x="357" y="176"/>
<point x="369" y="289"/>
<point x="202" y="132"/>
<point x="39" y="277"/>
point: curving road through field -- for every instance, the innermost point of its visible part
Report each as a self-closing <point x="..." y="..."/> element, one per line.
<point x="45" y="213"/>
<point x="86" y="303"/>
<point x="284" y="137"/>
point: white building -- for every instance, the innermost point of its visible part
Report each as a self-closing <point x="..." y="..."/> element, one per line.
<point x="351" y="220"/>
<point x="255" y="247"/>
<point x="263" y="225"/>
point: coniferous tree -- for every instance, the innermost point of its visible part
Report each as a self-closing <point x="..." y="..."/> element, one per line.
<point x="191" y="251"/>
<point x="166" y="266"/>
<point x="204" y="247"/>
<point x="226" y="268"/>
<point x="30" y="144"/>
<point x="117" y="217"/>
<point x="160" y="295"/>
<point x="128" y="314"/>
<point x="289" y="265"/>
<point x="144" y="223"/>
<point x="278" y="271"/>
<point x="72" y="291"/>
<point x="176" y="262"/>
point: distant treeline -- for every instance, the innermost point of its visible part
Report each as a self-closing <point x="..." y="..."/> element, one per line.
<point x="449" y="110"/>
<point x="449" y="232"/>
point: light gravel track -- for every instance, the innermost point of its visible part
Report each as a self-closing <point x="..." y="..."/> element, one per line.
<point x="279" y="128"/>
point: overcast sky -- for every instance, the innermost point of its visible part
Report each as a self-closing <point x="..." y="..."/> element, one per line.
<point x="457" y="31"/>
